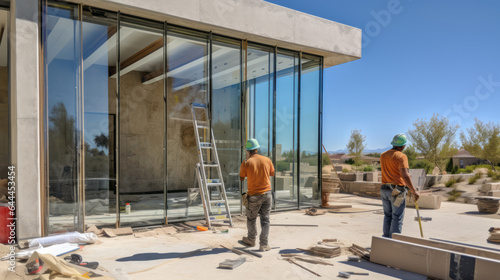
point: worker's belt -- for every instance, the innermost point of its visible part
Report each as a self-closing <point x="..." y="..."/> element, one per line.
<point x="391" y="187"/>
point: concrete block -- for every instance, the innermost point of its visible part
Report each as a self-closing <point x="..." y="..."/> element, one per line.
<point x="370" y="176"/>
<point x="449" y="246"/>
<point x="430" y="261"/>
<point x="495" y="193"/>
<point x="351" y="176"/>
<point x="489" y="187"/>
<point x="425" y="202"/>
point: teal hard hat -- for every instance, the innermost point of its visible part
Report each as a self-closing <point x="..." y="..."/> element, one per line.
<point x="252" y="144"/>
<point x="399" y="140"/>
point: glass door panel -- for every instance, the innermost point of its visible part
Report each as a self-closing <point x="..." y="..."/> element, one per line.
<point x="260" y="64"/>
<point x="99" y="49"/>
<point x="141" y="122"/>
<point x="286" y="185"/>
<point x="226" y="114"/>
<point x="187" y="82"/>
<point x="310" y="82"/>
<point x="62" y="70"/>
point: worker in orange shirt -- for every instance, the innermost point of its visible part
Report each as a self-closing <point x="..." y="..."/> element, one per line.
<point x="395" y="183"/>
<point x="257" y="169"/>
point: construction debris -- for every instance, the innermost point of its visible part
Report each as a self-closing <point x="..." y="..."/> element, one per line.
<point x="347" y="274"/>
<point x="324" y="252"/>
<point x="232" y="264"/>
<point x="305" y="268"/>
<point x="70" y="237"/>
<point x="234" y="250"/>
<point x="494" y="235"/>
<point x="117" y="231"/>
<point x="314" y="212"/>
<point x="292" y="225"/>
<point x="353" y="258"/>
<point x="360" y="251"/>
<point x="424" y="219"/>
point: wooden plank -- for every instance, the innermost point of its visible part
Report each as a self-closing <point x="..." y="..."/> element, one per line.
<point x="430" y="261"/>
<point x="448" y="246"/>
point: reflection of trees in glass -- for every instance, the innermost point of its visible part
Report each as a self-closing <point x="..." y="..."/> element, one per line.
<point x="62" y="124"/>
<point x="101" y="140"/>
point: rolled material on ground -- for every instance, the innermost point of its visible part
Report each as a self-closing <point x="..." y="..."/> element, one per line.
<point x="70" y="237"/>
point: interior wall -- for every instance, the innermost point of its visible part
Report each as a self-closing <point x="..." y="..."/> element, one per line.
<point x="181" y="143"/>
<point x="4" y="122"/>
<point x="142" y="131"/>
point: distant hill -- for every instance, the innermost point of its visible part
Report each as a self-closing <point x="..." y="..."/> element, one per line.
<point x="366" y="151"/>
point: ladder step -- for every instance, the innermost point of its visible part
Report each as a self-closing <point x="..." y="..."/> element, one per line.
<point x="213" y="184"/>
<point x="219" y="217"/>
<point x="210" y="165"/>
<point x="206" y="145"/>
<point x="198" y="105"/>
<point x="203" y="126"/>
<point x="217" y="201"/>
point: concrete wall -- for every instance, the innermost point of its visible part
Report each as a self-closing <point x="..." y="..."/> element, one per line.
<point x="24" y="48"/>
<point x="4" y="122"/>
<point x="254" y="20"/>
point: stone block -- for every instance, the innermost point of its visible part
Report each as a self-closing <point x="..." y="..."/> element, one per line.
<point x="425" y="202"/>
<point x="351" y="177"/>
<point x="489" y="187"/>
<point x="370" y="176"/>
<point x="495" y="193"/>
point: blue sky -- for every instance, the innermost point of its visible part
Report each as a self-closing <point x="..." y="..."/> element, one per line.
<point x="429" y="57"/>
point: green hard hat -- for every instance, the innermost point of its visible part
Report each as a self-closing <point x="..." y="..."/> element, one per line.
<point x="252" y="144"/>
<point x="399" y="140"/>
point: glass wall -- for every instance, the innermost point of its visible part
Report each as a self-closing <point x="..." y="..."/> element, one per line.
<point x="187" y="82"/>
<point x="4" y="94"/>
<point x="310" y="82"/>
<point x="62" y="70"/>
<point x="226" y="113"/>
<point x="141" y="120"/>
<point x="119" y="122"/>
<point x="286" y="185"/>
<point x="99" y="49"/>
<point x="260" y="100"/>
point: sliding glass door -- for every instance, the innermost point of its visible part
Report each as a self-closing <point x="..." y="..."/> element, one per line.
<point x="141" y="118"/>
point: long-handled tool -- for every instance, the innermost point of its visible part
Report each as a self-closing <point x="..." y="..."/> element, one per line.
<point x="419" y="219"/>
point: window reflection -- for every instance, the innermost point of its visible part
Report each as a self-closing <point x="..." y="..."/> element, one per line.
<point x="286" y="130"/>
<point x="309" y="130"/>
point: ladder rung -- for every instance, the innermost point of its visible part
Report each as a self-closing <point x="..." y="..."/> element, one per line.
<point x="206" y="145"/>
<point x="198" y="105"/>
<point x="203" y="126"/>
<point x="210" y="164"/>
<point x="213" y="184"/>
<point x="218" y="201"/>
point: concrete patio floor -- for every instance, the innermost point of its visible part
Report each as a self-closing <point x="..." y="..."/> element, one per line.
<point x="176" y="257"/>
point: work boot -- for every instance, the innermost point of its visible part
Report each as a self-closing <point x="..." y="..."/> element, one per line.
<point x="264" y="248"/>
<point x="250" y="243"/>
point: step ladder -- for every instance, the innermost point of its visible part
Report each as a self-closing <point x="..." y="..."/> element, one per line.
<point x="208" y="186"/>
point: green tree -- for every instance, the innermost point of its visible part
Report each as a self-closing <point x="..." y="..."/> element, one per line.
<point x="411" y="154"/>
<point x="483" y="141"/>
<point x="449" y="166"/>
<point x="434" y="139"/>
<point x="356" y="144"/>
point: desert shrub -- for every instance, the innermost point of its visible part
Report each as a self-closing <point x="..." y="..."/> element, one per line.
<point x="368" y="168"/>
<point x="472" y="180"/>
<point x="491" y="173"/>
<point x="454" y="194"/>
<point x="450" y="183"/>
<point x="282" y="166"/>
<point x="349" y="161"/>
<point x="345" y="170"/>
<point x="422" y="164"/>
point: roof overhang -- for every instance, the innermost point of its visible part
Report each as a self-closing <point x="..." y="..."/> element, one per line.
<point x="253" y="20"/>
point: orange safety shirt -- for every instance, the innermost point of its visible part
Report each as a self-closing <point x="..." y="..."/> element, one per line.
<point x="391" y="161"/>
<point x="257" y="169"/>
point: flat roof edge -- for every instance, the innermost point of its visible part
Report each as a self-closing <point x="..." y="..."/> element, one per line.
<point x="254" y="20"/>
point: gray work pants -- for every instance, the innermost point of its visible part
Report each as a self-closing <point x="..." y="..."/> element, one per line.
<point x="259" y="205"/>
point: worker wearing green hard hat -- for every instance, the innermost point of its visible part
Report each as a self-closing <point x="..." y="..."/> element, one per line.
<point x="395" y="184"/>
<point x="399" y="140"/>
<point x="257" y="169"/>
<point x="252" y="144"/>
